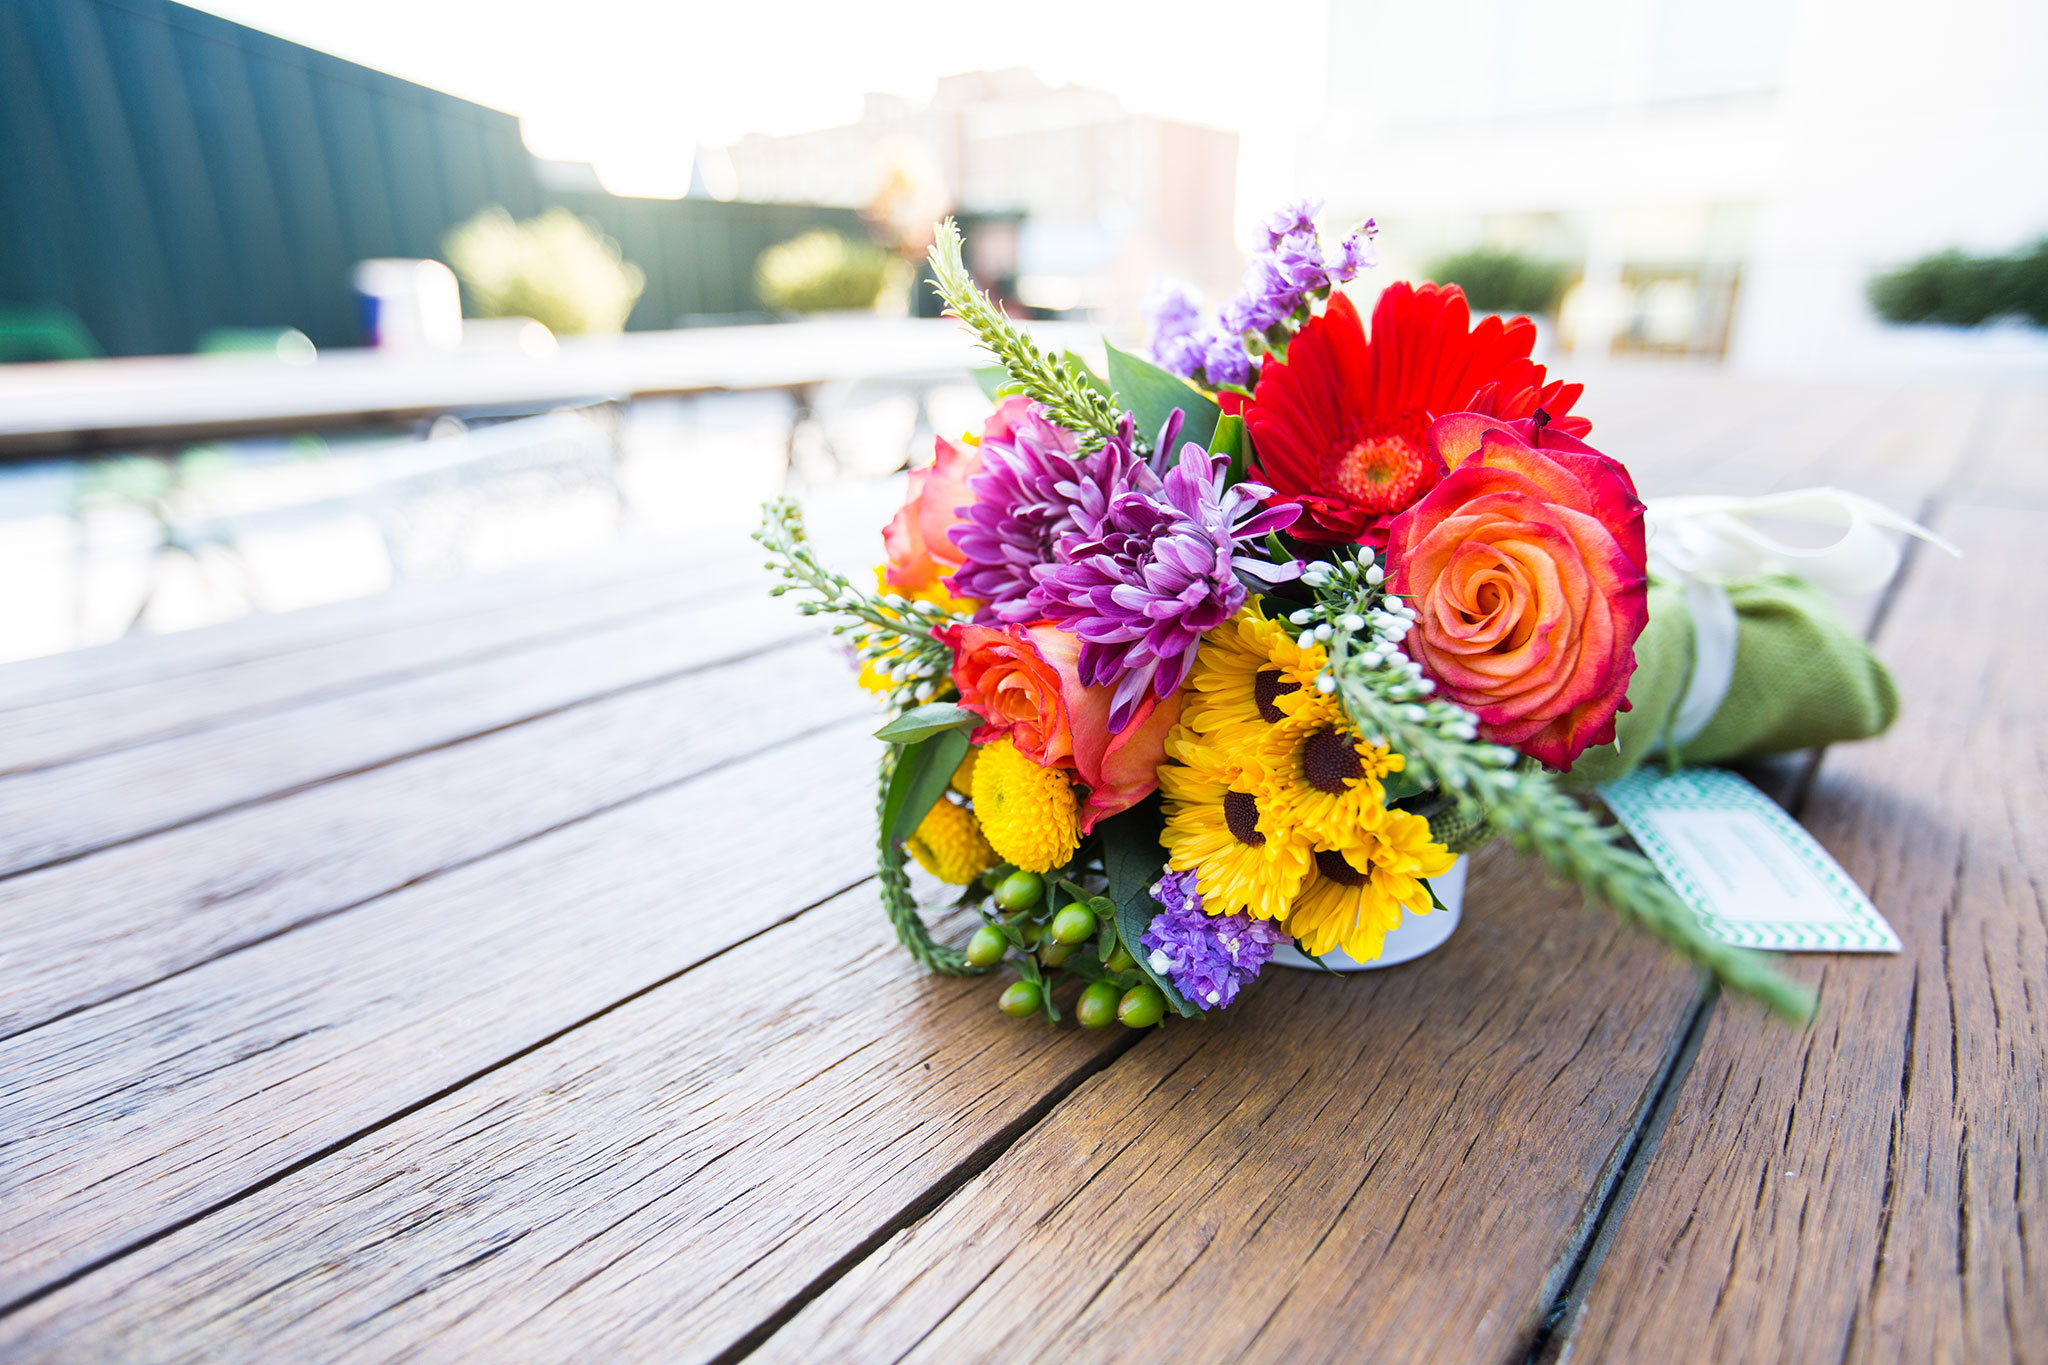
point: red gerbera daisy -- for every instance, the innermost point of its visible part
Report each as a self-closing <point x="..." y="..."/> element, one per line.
<point x="1339" y="427"/>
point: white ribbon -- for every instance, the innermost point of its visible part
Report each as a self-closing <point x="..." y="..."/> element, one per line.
<point x="1703" y="542"/>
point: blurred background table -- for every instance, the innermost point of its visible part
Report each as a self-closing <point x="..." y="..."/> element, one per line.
<point x="493" y="969"/>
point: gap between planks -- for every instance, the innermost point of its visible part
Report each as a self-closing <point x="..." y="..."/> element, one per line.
<point x="1550" y="1345"/>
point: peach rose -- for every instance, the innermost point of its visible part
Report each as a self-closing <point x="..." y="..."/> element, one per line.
<point x="1025" y="682"/>
<point x="921" y="554"/>
<point x="1527" y="569"/>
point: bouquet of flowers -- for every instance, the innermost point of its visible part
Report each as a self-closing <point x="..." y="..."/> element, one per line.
<point x="1240" y="647"/>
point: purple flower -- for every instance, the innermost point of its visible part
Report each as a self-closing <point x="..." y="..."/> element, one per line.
<point x="1224" y="360"/>
<point x="1149" y="567"/>
<point x="1207" y="957"/>
<point x="1288" y="219"/>
<point x="1175" y="315"/>
<point x="1265" y="298"/>
<point x="1023" y="509"/>
<point x="1356" y="253"/>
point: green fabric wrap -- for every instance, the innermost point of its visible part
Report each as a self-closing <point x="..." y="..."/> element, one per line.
<point x="1802" y="678"/>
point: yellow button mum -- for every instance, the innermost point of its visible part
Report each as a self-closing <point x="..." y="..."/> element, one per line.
<point x="1028" y="813"/>
<point x="949" y="845"/>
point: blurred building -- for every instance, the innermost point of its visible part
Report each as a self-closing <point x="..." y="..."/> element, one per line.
<point x="1106" y="199"/>
<point x="1721" y="176"/>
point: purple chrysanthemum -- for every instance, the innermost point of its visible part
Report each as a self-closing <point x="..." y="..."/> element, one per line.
<point x="1023" y="508"/>
<point x="1207" y="957"/>
<point x="1150" y="566"/>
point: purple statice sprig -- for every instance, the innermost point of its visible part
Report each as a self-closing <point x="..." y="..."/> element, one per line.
<point x="1282" y="284"/>
<point x="1153" y="563"/>
<point x="1209" y="958"/>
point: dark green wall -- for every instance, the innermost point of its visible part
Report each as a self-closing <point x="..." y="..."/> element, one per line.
<point x="164" y="171"/>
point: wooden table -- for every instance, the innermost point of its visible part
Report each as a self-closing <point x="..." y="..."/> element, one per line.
<point x="497" y="973"/>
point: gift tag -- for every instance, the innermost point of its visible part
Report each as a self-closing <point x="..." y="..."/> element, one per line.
<point x="1757" y="879"/>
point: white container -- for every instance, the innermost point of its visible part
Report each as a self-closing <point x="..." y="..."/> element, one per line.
<point x="1414" y="936"/>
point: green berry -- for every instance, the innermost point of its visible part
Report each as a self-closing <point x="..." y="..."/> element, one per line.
<point x="1020" y="891"/>
<point x="1141" y="1007"/>
<point x="1055" y="954"/>
<point x="1121" y="960"/>
<point x="1022" y="1000"/>
<point x="987" y="947"/>
<point x="1097" y="1005"/>
<point x="1032" y="934"/>
<point x="1075" y="924"/>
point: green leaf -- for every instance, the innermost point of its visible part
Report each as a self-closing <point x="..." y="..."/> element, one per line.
<point x="995" y="382"/>
<point x="1400" y="786"/>
<point x="922" y="771"/>
<point x="929" y="719"/>
<point x="1230" y="440"/>
<point x="1095" y="381"/>
<point x="1133" y="858"/>
<point x="1152" y="394"/>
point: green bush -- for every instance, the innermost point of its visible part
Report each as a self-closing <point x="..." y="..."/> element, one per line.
<point x="556" y="269"/>
<point x="1502" y="281"/>
<point x="1965" y="290"/>
<point x="822" y="270"/>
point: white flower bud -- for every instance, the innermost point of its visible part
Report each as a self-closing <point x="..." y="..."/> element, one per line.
<point x="1375" y="575"/>
<point x="1323" y="633"/>
<point x="1326" y="684"/>
<point x="1302" y="617"/>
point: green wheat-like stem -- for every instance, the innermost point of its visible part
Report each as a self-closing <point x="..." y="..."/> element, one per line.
<point x="891" y="632"/>
<point x="893" y="879"/>
<point x="1055" y="383"/>
<point x="1522" y="802"/>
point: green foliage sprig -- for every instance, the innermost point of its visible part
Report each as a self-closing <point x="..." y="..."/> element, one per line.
<point x="1056" y="383"/>
<point x="1361" y="626"/>
<point x="888" y="632"/>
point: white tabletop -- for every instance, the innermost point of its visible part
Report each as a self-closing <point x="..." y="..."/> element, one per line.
<point x="100" y="404"/>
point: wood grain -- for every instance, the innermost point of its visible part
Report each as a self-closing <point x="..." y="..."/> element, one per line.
<point x="88" y="929"/>
<point x="142" y="659"/>
<point x="1873" y="1189"/>
<point x="67" y="810"/>
<point x="651" y="1186"/>
<point x="66" y="728"/>
<point x="1396" y="1165"/>
<point x="127" y="1117"/>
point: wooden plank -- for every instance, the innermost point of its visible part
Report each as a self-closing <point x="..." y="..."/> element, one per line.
<point x="1874" y="1187"/>
<point x="129" y="1117"/>
<point x="1335" y="1166"/>
<point x="83" y="931"/>
<point x="140" y="660"/>
<point x="64" y="811"/>
<point x="653" y="1185"/>
<point x="71" y="728"/>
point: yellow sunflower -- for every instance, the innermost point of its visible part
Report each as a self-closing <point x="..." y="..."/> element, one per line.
<point x="1358" y="890"/>
<point x="1327" y="779"/>
<point x="1222" y="826"/>
<point x="1250" y="674"/>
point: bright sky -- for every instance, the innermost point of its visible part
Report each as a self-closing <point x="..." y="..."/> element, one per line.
<point x="635" y="85"/>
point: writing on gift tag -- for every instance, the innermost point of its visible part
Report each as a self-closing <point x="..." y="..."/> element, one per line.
<point x="1756" y="878"/>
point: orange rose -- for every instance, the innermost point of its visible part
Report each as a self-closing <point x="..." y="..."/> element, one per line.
<point x="1025" y="682"/>
<point x="1527" y="571"/>
<point x="921" y="554"/>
